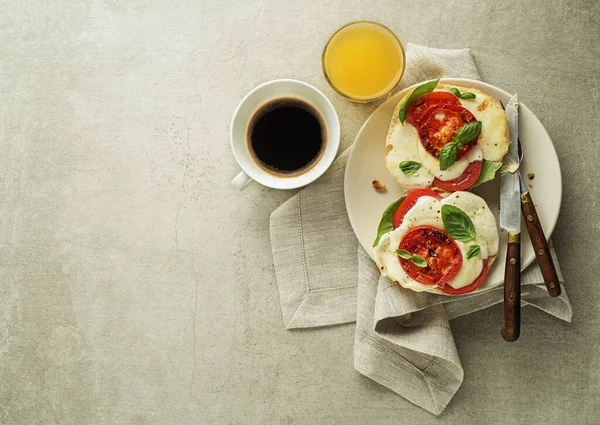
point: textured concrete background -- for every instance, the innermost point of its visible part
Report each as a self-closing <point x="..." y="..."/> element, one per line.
<point x="137" y="287"/>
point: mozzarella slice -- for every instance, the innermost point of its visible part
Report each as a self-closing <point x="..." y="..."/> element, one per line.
<point x="426" y="212"/>
<point x="486" y="231"/>
<point x="494" y="131"/>
<point x="402" y="146"/>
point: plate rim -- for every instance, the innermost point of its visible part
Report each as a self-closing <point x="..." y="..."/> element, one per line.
<point x="398" y="95"/>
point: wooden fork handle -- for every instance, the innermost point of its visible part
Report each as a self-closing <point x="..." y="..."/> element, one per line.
<point x="512" y="289"/>
<point x="540" y="246"/>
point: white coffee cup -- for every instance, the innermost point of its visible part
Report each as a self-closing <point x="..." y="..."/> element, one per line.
<point x="239" y="134"/>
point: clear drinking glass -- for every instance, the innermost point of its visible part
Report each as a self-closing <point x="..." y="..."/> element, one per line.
<point x="363" y="61"/>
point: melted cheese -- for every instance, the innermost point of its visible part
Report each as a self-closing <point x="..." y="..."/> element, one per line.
<point x="404" y="147"/>
<point x="493" y="139"/>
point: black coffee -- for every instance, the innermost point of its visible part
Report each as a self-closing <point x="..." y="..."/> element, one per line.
<point x="287" y="136"/>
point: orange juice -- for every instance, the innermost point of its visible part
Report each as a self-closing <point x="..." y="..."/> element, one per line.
<point x="363" y="61"/>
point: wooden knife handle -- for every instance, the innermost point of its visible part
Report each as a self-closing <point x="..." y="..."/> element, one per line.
<point x="540" y="246"/>
<point x="512" y="288"/>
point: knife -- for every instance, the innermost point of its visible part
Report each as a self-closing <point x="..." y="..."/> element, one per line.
<point x="510" y="220"/>
<point x="538" y="241"/>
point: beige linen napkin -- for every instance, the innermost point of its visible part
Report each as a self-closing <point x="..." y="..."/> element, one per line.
<point x="403" y="339"/>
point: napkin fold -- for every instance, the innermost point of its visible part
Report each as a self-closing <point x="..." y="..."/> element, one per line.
<point x="403" y="339"/>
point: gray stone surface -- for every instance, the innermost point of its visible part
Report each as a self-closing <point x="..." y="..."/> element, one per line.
<point x="136" y="287"/>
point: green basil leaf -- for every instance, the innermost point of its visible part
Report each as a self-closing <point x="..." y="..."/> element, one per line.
<point x="449" y="152"/>
<point x="402" y="253"/>
<point x="466" y="95"/>
<point x="488" y="172"/>
<point x="409" y="167"/>
<point x="457" y="223"/>
<point x="469" y="131"/>
<point x="417" y="92"/>
<point x="473" y="251"/>
<point x="418" y="261"/>
<point x="455" y="92"/>
<point x="448" y="155"/>
<point x="386" y="224"/>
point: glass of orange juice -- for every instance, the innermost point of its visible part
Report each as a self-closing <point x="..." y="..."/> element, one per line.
<point x="363" y="61"/>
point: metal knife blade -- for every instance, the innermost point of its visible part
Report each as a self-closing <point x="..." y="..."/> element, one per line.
<point x="510" y="193"/>
<point x="510" y="220"/>
<point x="510" y="203"/>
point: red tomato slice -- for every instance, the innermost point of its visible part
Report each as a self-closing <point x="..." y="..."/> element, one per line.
<point x="409" y="202"/>
<point x="419" y="107"/>
<point x="442" y="254"/>
<point x="476" y="284"/>
<point x="441" y="124"/>
<point x="466" y="179"/>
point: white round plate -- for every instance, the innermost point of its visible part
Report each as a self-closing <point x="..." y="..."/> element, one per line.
<point x="366" y="163"/>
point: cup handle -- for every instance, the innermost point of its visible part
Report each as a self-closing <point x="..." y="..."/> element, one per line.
<point x="240" y="181"/>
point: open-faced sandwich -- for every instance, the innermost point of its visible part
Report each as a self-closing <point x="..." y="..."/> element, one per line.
<point x="446" y="138"/>
<point x="430" y="243"/>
